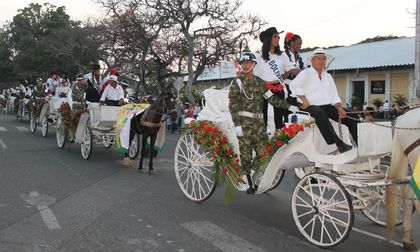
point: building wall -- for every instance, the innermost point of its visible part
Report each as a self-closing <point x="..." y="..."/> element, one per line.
<point x="399" y="84"/>
<point x="340" y="83"/>
<point x="396" y="82"/>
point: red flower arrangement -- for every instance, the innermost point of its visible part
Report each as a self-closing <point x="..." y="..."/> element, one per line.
<point x="213" y="140"/>
<point x="281" y="137"/>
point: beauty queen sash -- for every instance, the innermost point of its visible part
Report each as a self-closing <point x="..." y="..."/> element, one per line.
<point x="276" y="71"/>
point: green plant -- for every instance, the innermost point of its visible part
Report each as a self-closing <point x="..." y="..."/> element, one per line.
<point x="355" y="102"/>
<point x="400" y="100"/>
<point x="378" y="102"/>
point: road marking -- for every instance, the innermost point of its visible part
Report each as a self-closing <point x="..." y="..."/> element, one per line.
<point x="2" y="144"/>
<point x="3" y="129"/>
<point x="42" y="202"/>
<point x="219" y="237"/>
<point x="377" y="236"/>
<point x="22" y="128"/>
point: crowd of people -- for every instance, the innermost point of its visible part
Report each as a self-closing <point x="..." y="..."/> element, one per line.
<point x="91" y="87"/>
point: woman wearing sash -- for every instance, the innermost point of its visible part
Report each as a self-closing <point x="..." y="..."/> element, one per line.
<point x="270" y="68"/>
<point x="292" y="46"/>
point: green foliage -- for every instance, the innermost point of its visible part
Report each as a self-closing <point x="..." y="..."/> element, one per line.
<point x="378" y="38"/>
<point x="378" y="102"/>
<point x="355" y="102"/>
<point x="43" y="37"/>
<point x="400" y="100"/>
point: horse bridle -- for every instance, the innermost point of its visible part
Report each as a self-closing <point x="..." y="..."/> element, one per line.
<point x="152" y="124"/>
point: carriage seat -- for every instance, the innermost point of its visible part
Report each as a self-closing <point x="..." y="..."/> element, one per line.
<point x="102" y="117"/>
<point x="373" y="141"/>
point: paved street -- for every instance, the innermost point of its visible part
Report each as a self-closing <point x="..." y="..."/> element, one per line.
<point x="53" y="200"/>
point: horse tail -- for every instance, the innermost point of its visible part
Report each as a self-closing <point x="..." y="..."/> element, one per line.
<point x="399" y="167"/>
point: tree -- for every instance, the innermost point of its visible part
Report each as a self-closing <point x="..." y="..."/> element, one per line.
<point x="210" y="30"/>
<point x="172" y="38"/>
<point x="6" y="66"/>
<point x="43" y="37"/>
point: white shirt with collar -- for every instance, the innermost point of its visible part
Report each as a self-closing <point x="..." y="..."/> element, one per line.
<point x="112" y="94"/>
<point x="272" y="69"/>
<point x="317" y="91"/>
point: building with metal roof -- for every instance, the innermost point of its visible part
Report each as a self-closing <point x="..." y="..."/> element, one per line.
<point x="362" y="72"/>
<point x="368" y="71"/>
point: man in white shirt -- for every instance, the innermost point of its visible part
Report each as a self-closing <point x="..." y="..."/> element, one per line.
<point x="113" y="94"/>
<point x="318" y="93"/>
<point x="385" y="107"/>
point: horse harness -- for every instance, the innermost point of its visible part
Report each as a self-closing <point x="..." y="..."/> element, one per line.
<point x="412" y="147"/>
<point x="143" y="121"/>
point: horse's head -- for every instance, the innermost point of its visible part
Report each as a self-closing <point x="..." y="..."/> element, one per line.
<point x="169" y="104"/>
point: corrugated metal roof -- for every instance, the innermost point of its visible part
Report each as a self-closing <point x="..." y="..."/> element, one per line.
<point x="387" y="53"/>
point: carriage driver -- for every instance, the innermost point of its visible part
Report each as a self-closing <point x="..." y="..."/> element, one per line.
<point x="113" y="94"/>
<point x="246" y="96"/>
<point x="318" y="93"/>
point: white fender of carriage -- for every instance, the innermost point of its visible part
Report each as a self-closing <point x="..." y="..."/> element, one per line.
<point x="308" y="148"/>
<point x="99" y="117"/>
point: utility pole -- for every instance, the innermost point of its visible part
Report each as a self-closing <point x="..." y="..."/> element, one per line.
<point x="417" y="59"/>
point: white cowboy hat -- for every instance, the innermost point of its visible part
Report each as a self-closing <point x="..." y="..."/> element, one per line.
<point x="113" y="78"/>
<point x="319" y="52"/>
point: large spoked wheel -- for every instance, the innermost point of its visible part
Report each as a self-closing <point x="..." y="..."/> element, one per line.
<point x="107" y="141"/>
<point x="133" y="151"/>
<point x="322" y="210"/>
<point x="60" y="134"/>
<point x="374" y="204"/>
<point x="32" y="123"/>
<point x="44" y="124"/>
<point x="194" y="169"/>
<point x="86" y="145"/>
<point x="277" y="179"/>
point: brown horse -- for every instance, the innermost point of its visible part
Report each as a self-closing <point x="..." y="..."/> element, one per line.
<point x="148" y="124"/>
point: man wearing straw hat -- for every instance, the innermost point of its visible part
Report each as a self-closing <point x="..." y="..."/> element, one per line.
<point x="317" y="91"/>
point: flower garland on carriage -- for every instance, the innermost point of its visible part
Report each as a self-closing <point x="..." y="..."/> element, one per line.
<point x="70" y="117"/>
<point x="226" y="161"/>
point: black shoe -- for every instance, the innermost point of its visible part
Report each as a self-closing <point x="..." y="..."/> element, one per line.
<point x="344" y="147"/>
<point x="251" y="190"/>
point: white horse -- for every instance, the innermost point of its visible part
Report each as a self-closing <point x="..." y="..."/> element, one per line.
<point x="404" y="151"/>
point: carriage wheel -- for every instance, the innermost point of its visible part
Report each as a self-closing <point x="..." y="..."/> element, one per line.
<point x="86" y="145"/>
<point x="322" y="210"/>
<point x="107" y="141"/>
<point x="277" y="179"/>
<point x="44" y="124"/>
<point x="60" y="134"/>
<point x="133" y="151"/>
<point x="303" y="171"/>
<point x="32" y="123"/>
<point x="194" y="169"/>
<point x="375" y="208"/>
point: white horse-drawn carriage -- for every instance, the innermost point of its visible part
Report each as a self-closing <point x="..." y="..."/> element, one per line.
<point x="323" y="201"/>
<point x="49" y="114"/>
<point x="95" y="126"/>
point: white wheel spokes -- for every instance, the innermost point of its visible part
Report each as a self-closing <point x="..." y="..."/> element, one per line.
<point x="195" y="169"/>
<point x="86" y="143"/>
<point x="321" y="210"/>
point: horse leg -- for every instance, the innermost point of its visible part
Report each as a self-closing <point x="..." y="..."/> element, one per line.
<point x="143" y="152"/>
<point x="152" y="147"/>
<point x="408" y="241"/>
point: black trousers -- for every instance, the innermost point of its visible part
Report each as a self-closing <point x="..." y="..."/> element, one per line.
<point x="112" y="103"/>
<point x="280" y="115"/>
<point x="322" y="115"/>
